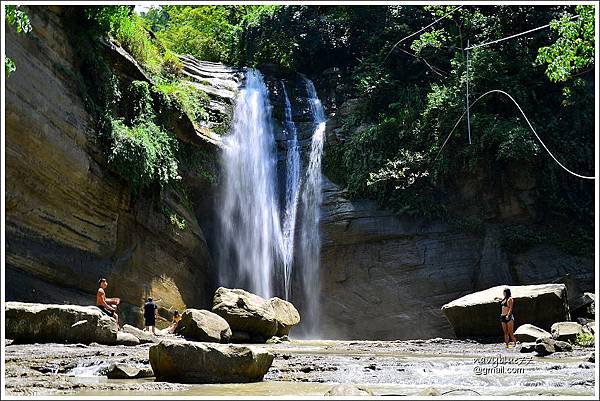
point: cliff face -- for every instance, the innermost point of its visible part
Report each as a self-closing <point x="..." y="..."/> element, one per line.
<point x="69" y="219"/>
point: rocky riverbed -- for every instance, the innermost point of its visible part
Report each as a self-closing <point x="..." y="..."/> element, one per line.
<point x="417" y="367"/>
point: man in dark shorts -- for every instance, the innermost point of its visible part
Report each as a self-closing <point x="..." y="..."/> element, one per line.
<point x="107" y="305"/>
<point x="150" y="315"/>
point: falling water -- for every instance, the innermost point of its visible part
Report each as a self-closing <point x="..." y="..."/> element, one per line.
<point x="310" y="240"/>
<point x="251" y="241"/>
<point x="292" y="186"/>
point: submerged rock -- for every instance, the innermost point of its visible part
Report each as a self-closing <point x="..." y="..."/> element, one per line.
<point x="566" y="331"/>
<point x="477" y="314"/>
<point x="194" y="362"/>
<point x="529" y="332"/>
<point x="30" y="322"/>
<point x="259" y="318"/>
<point x="124" y="371"/>
<point x="347" y="390"/>
<point x="203" y="325"/>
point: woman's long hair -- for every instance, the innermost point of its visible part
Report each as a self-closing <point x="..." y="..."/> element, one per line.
<point x="507" y="294"/>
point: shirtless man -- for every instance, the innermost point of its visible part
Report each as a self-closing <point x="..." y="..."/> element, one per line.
<point x="107" y="305"/>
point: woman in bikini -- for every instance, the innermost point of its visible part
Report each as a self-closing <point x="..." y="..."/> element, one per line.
<point x="507" y="319"/>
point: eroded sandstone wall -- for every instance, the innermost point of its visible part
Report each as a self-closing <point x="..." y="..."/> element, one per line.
<point x="69" y="219"/>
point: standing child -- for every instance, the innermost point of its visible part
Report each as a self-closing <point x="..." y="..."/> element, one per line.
<point x="150" y="315"/>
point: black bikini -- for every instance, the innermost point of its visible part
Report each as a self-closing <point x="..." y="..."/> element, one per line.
<point x="506" y="318"/>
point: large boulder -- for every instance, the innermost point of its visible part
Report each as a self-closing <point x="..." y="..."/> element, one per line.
<point x="528" y="332"/>
<point x="203" y="325"/>
<point x="584" y="306"/>
<point x="258" y="317"/>
<point x="42" y="323"/>
<point x="286" y="315"/>
<point x="566" y="331"/>
<point x="194" y="362"/>
<point x="478" y="314"/>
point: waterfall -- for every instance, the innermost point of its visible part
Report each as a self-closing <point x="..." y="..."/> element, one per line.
<point x="310" y="239"/>
<point x="250" y="243"/>
<point x="292" y="186"/>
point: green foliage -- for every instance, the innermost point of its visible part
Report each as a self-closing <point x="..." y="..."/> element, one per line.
<point x="403" y="171"/>
<point x="584" y="340"/>
<point x="192" y="100"/>
<point x="573" y="51"/>
<point x="144" y="154"/>
<point x="19" y="19"/>
<point x="433" y="39"/>
<point x="518" y="237"/>
<point x="9" y="66"/>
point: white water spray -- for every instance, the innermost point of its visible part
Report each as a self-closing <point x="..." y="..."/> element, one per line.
<point x="310" y="238"/>
<point x="250" y="246"/>
<point x="292" y="186"/>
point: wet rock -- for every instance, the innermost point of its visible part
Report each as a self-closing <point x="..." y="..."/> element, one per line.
<point x="566" y="331"/>
<point x="529" y="332"/>
<point x="562" y="346"/>
<point x="194" y="362"/>
<point x="124" y="371"/>
<point x="286" y="315"/>
<point x="203" y="325"/>
<point x="477" y="314"/>
<point x="29" y="323"/>
<point x="126" y="339"/>
<point x="592" y="358"/>
<point x="544" y="346"/>
<point x="240" y="337"/>
<point x="589" y="327"/>
<point x="144" y="337"/>
<point x="527" y="347"/>
<point x="348" y="390"/>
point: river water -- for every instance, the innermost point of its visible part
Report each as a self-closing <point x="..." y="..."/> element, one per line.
<point x="313" y="367"/>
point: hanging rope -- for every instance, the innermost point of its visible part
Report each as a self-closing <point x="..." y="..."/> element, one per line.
<point x="420" y="30"/>
<point x="528" y="123"/>
<point x="513" y="36"/>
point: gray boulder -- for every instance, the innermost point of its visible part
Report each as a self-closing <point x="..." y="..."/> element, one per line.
<point x="286" y="315"/>
<point x="589" y="327"/>
<point x="341" y="390"/>
<point x="258" y="317"/>
<point x="544" y="346"/>
<point x="203" y="325"/>
<point x="562" y="346"/>
<point x="584" y="306"/>
<point x="126" y="339"/>
<point x="529" y="332"/>
<point x="124" y="371"/>
<point x="42" y="323"/>
<point x="566" y="331"/>
<point x="195" y="362"/>
<point x="478" y="314"/>
<point x="143" y="336"/>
